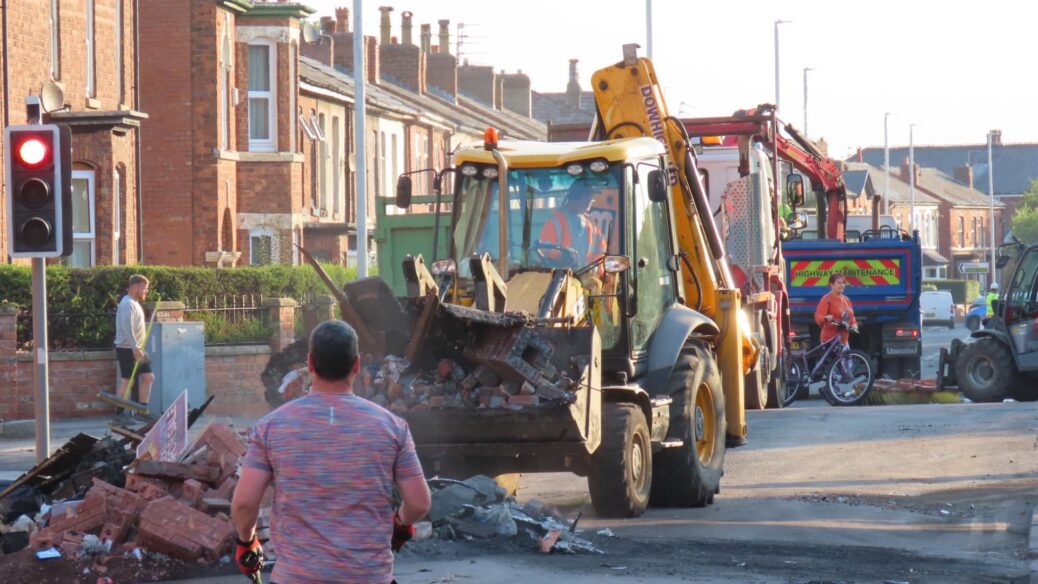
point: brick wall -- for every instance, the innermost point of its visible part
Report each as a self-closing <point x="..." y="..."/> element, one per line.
<point x="232" y="374"/>
<point x="442" y="72"/>
<point x="405" y="64"/>
<point x="479" y="81"/>
<point x="166" y="139"/>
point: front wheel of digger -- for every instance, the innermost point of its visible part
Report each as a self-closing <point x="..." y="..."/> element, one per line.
<point x="690" y="475"/>
<point x="621" y="467"/>
<point x="985" y="371"/>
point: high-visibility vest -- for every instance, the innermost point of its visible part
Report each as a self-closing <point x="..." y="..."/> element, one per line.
<point x="589" y="245"/>
<point x="992" y="297"/>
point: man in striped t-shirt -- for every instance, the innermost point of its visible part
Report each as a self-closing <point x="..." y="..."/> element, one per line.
<point x="334" y="459"/>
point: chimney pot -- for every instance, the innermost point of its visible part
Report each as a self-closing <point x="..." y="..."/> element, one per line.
<point x="328" y="25"/>
<point x="385" y="27"/>
<point x="964" y="174"/>
<point x="342" y="19"/>
<point x="996" y="137"/>
<point x="573" y="90"/>
<point x="426" y="37"/>
<point x="405" y="34"/>
<point x="861" y="157"/>
<point x="445" y="36"/>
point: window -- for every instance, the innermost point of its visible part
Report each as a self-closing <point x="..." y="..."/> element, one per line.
<point x="395" y="165"/>
<point x="55" y="40"/>
<point x="421" y="160"/>
<point x="117" y="220"/>
<point x="383" y="168"/>
<point x="962" y="231"/>
<point x="322" y="164"/>
<point x="91" y="81"/>
<point x="654" y="284"/>
<point x="83" y="235"/>
<point x="336" y="164"/>
<point x="262" y="110"/>
<point x="226" y="66"/>
<point x="261" y="246"/>
<point x="978" y="232"/>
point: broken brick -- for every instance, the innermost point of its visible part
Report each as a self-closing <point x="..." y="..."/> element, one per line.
<point x="191" y="492"/>
<point x="71" y="543"/>
<point x="47" y="537"/>
<point x="137" y="483"/>
<point x="523" y="399"/>
<point x="150" y="492"/>
<point x="88" y="515"/>
<point x="173" y="528"/>
<point x="178" y="471"/>
<point x="214" y="504"/>
<point x="226" y="462"/>
<point x="226" y="488"/>
<point x="220" y="438"/>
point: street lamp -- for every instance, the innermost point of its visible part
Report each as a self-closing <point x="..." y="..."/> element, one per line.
<point x="886" y="165"/>
<point x="806" y="69"/>
<point x="991" y="211"/>
<point x="648" y="28"/>
<point x="777" y="23"/>
<point x="911" y="173"/>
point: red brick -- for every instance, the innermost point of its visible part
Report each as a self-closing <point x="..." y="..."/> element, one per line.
<point x="42" y="539"/>
<point x="220" y="438"/>
<point x="191" y="492"/>
<point x="177" y="471"/>
<point x="171" y="527"/>
<point x="226" y="488"/>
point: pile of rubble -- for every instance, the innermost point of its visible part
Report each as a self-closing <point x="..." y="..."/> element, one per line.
<point x="178" y="509"/>
<point x="477" y="508"/>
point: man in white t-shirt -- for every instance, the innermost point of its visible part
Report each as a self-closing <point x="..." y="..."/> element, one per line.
<point x="130" y="332"/>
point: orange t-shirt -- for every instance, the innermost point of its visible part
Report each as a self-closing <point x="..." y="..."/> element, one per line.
<point x="835" y="306"/>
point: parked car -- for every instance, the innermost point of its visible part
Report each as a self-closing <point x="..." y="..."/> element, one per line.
<point x="977" y="313"/>
<point x="937" y="307"/>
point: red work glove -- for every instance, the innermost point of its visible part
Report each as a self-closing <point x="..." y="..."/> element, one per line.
<point x="249" y="556"/>
<point x="401" y="533"/>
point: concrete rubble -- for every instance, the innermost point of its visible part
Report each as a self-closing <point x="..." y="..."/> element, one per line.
<point x="177" y="509"/>
<point x="477" y="508"/>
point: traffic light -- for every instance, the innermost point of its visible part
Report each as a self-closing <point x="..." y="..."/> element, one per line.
<point x="38" y="172"/>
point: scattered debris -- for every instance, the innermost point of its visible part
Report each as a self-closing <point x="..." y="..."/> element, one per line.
<point x="93" y="501"/>
<point x="477" y="508"/>
<point x="605" y="532"/>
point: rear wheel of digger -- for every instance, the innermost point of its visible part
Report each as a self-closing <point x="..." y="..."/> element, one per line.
<point x="756" y="382"/>
<point x="690" y="475"/>
<point x="777" y="388"/>
<point x="985" y="371"/>
<point x="621" y="468"/>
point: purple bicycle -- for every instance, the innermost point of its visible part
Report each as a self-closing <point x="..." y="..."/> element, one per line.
<point x="847" y="373"/>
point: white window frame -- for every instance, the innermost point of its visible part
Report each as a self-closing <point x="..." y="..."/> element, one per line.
<point x="119" y="52"/>
<point x="117" y="204"/>
<point x="267" y="144"/>
<point x="226" y="67"/>
<point x="55" y="39"/>
<point x="263" y="232"/>
<point x="316" y="126"/>
<point x="322" y="165"/>
<point x="336" y="169"/>
<point x="306" y="127"/>
<point x="91" y="65"/>
<point x="88" y="236"/>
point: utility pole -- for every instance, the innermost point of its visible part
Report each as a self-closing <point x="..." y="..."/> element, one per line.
<point x="777" y="91"/>
<point x="911" y="173"/>
<point x="806" y="69"/>
<point x="886" y="165"/>
<point x="991" y="212"/>
<point x="359" y="148"/>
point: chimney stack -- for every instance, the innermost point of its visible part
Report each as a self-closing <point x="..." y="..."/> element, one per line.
<point x="964" y="174"/>
<point x="445" y="36"/>
<point x="342" y="19"/>
<point x="371" y="62"/>
<point x="861" y="154"/>
<point x="385" y="27"/>
<point x="906" y="177"/>
<point x="322" y="50"/>
<point x="478" y="81"/>
<point x="426" y="38"/>
<point x="996" y="137"/>
<point x="516" y="93"/>
<point x="328" y="25"/>
<point x="405" y="34"/>
<point x="403" y="64"/>
<point x="573" y="91"/>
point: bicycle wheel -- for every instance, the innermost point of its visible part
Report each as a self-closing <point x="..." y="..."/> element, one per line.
<point x="850" y="378"/>
<point x="794" y="379"/>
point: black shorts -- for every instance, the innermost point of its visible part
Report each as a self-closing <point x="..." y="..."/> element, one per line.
<point x="126" y="361"/>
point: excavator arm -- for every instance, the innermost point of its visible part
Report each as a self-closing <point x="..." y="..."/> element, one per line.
<point x="630" y="104"/>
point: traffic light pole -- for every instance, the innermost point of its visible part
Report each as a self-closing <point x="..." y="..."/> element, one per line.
<point x="39" y="338"/>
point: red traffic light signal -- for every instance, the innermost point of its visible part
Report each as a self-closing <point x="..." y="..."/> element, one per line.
<point x="33" y="152"/>
<point x="37" y="168"/>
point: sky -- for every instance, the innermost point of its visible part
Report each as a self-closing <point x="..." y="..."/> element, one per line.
<point x="953" y="69"/>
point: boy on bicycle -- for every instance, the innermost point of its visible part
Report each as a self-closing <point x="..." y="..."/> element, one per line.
<point x="836" y="306"/>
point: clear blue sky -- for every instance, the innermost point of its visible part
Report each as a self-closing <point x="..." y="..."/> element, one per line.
<point x="955" y="69"/>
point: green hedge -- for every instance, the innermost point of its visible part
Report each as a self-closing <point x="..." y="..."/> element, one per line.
<point x="89" y="296"/>
<point x="927" y="287"/>
<point x="99" y="289"/>
<point x="963" y="291"/>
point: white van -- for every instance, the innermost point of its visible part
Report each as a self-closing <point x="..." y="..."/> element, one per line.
<point x="937" y="307"/>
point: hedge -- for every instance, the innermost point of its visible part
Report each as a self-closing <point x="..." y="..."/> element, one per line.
<point x="962" y="291"/>
<point x="100" y="288"/>
<point x="81" y="301"/>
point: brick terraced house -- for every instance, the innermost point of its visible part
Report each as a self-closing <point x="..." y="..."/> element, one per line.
<point x="88" y="50"/>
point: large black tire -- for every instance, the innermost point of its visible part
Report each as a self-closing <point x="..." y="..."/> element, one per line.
<point x="985" y="370"/>
<point x="690" y="475"/>
<point x="621" y="467"/>
<point x="756" y="383"/>
<point x="973" y="322"/>
<point x="777" y="386"/>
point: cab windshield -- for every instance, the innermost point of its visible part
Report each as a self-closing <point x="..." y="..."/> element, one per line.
<point x="557" y="217"/>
